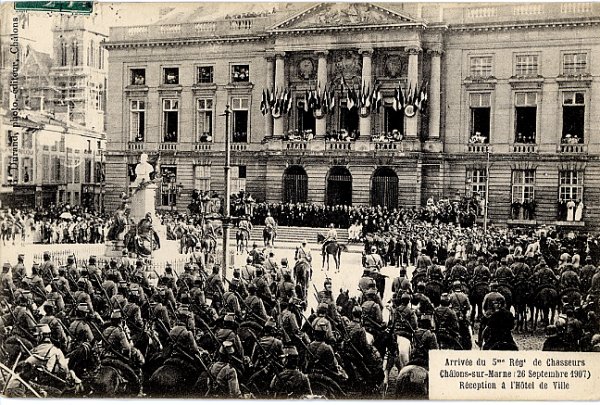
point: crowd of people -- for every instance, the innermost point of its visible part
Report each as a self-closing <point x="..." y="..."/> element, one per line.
<point x="53" y="224"/>
<point x="199" y="333"/>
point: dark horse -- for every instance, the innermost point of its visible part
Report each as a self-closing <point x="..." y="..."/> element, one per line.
<point x="545" y="301"/>
<point x="334" y="249"/>
<point x="476" y="295"/>
<point x="269" y="234"/>
<point x="521" y="300"/>
<point x="302" y="275"/>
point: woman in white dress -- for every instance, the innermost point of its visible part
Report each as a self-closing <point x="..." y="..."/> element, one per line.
<point x="579" y="211"/>
<point x="570" y="210"/>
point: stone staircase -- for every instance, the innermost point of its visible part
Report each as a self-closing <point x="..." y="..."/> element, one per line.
<point x="290" y="234"/>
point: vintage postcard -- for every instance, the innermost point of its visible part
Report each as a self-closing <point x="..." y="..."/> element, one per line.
<point x="300" y="200"/>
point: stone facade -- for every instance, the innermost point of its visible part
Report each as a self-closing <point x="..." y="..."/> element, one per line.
<point x="506" y="84"/>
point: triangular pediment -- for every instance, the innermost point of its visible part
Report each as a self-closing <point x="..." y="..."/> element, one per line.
<point x="328" y="15"/>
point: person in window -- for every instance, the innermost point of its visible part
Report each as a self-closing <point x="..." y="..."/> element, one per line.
<point x="396" y="135"/>
<point x="139" y="79"/>
<point x="571" y="210"/>
<point x="515" y="208"/>
<point x="579" y="210"/>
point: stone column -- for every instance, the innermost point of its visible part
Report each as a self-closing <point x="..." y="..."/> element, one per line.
<point x="321" y="122"/>
<point x="279" y="86"/>
<point x="413" y="80"/>
<point x="270" y="81"/>
<point x="433" y="98"/>
<point x="367" y="70"/>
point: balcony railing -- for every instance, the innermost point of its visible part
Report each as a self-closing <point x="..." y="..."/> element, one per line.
<point x="135" y="145"/>
<point x="338" y="145"/>
<point x="203" y="146"/>
<point x="216" y="28"/>
<point x="167" y="146"/>
<point x="573" y="148"/>
<point x="525" y="148"/>
<point x="477" y="148"/>
<point x="296" y="145"/>
<point x="239" y="147"/>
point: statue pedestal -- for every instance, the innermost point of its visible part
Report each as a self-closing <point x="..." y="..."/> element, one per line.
<point x="114" y="248"/>
<point x="143" y="202"/>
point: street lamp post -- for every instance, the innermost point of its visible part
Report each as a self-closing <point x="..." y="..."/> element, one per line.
<point x="226" y="209"/>
<point x="487" y="193"/>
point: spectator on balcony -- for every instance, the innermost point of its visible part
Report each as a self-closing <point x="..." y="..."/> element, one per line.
<point x="562" y="210"/>
<point x="515" y="209"/>
<point x="478" y="138"/>
<point x="571" y="210"/>
<point x="579" y="211"/>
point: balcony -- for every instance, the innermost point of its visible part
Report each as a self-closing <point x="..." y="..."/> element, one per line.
<point x="203" y="146"/>
<point x="525" y="148"/>
<point x="135" y="145"/>
<point x="165" y="146"/>
<point x="575" y="148"/>
<point x="297" y="145"/>
<point x="478" y="148"/>
<point x="338" y="145"/>
<point x="239" y="147"/>
<point x="207" y="29"/>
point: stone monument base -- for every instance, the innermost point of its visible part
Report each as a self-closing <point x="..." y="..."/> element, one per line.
<point x="114" y="248"/>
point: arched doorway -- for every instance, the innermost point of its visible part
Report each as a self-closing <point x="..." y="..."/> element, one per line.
<point x="295" y="185"/>
<point x="384" y="187"/>
<point x="339" y="186"/>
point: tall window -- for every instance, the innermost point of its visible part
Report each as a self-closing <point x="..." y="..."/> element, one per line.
<point x="240" y="106"/>
<point x="204" y="123"/>
<point x="64" y="52"/>
<point x="480" y="109"/>
<point x="76" y="55"/>
<point x="205" y="74"/>
<point x="571" y="185"/>
<point x="394" y="121"/>
<point x="27" y="137"/>
<point x="92" y="54"/>
<point x="526" y="65"/>
<point x="138" y="77"/>
<point x="138" y="120"/>
<point x="202" y="178"/>
<point x="77" y="170"/>
<point x="170" y="120"/>
<point x="27" y="165"/>
<point x="478" y="178"/>
<point x="240" y="73"/>
<point x="573" y="117"/>
<point x="45" y="163"/>
<point x="481" y="66"/>
<point x="523" y="185"/>
<point x="168" y="186"/>
<point x="87" y="176"/>
<point x="525" y="117"/>
<point x="171" y="75"/>
<point x="348" y="119"/>
<point x="238" y="181"/>
<point x="306" y="119"/>
<point x="574" y="63"/>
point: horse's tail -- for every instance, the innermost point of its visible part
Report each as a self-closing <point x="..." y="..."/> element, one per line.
<point x="342" y="247"/>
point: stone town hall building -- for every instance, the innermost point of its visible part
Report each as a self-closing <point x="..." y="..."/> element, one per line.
<point x="519" y="83"/>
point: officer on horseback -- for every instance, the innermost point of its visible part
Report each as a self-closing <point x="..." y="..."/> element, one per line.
<point x="303" y="252"/>
<point x="331" y="236"/>
<point x="446" y="320"/>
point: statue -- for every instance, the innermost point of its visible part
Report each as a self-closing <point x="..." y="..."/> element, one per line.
<point x="142" y="171"/>
<point x="119" y="221"/>
<point x="142" y="238"/>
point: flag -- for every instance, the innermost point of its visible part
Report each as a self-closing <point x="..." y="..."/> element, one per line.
<point x="271" y="96"/>
<point x="376" y="98"/>
<point x="424" y="95"/>
<point x="290" y="102"/>
<point x="402" y="97"/>
<point x="396" y="101"/>
<point x="331" y="100"/>
<point x="416" y="101"/>
<point x="263" y="103"/>
<point x="317" y="99"/>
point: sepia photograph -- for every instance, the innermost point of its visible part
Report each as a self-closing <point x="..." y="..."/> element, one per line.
<point x="296" y="200"/>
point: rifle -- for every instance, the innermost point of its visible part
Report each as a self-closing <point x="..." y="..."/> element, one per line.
<point x="40" y="368"/>
<point x="109" y="346"/>
<point x="29" y="335"/>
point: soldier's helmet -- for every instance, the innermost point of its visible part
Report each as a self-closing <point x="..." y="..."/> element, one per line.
<point x="42" y="329"/>
<point x="322" y="309"/>
<point x="357" y="312"/>
<point x="290" y="351"/>
<point x="116" y="315"/>
<point x="456" y="286"/>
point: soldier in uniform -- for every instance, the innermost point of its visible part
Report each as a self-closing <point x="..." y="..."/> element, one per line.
<point x="248" y="271"/>
<point x="18" y="271"/>
<point x="331" y="236"/>
<point x="481" y="272"/>
<point x="458" y="272"/>
<point x="288" y="322"/>
<point x="159" y="316"/>
<point x="23" y="321"/>
<point x="424" y="340"/>
<point x="269" y="348"/>
<point x="197" y="256"/>
<point x="48" y="269"/>
<point x="231" y="299"/>
<point x="373" y="260"/>
<point x="520" y="269"/>
<point x="321" y="357"/>
<point x="254" y="305"/>
<point x="503" y="273"/>
<point x="321" y="322"/>
<point x="214" y="288"/>
<point x="286" y="288"/>
<point x="358" y="338"/>
<point x="263" y="290"/>
<point x="227" y="334"/>
<point x="446" y="320"/>
<point x="224" y="381"/>
<point x="303" y="252"/>
<point x="587" y="273"/>
<point x="58" y="333"/>
<point x="422" y="303"/>
<point x="49" y="357"/>
<point x="80" y="328"/>
<point x="6" y="282"/>
<point x="434" y="272"/>
<point x="35" y="284"/>
<point x="371" y="311"/>
<point x="401" y="283"/>
<point x="291" y="383"/>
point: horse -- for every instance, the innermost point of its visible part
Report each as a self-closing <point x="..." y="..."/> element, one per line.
<point x="176" y="378"/>
<point x="242" y="238"/>
<point x="188" y="241"/>
<point x="479" y="290"/>
<point x="433" y="291"/>
<point x="545" y="302"/>
<point x="506" y="291"/>
<point x="570" y="296"/>
<point x="302" y="274"/>
<point x="522" y="299"/>
<point x="334" y="249"/>
<point x="346" y="303"/>
<point x="269" y="234"/>
<point x="412" y="383"/>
